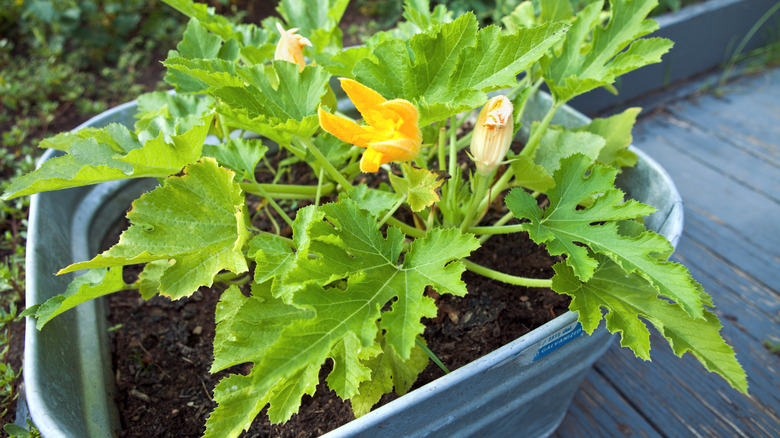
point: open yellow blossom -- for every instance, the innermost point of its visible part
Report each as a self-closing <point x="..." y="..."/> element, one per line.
<point x="392" y="133"/>
<point x="492" y="134"/>
<point x="290" y="47"/>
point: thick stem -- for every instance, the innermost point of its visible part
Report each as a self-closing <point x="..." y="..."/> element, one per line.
<point x="274" y="205"/>
<point x="506" y="278"/>
<point x="393" y="209"/>
<point x="332" y="171"/>
<point x="476" y="199"/>
<point x="405" y="228"/>
<point x="496" y="229"/>
<point x="533" y="142"/>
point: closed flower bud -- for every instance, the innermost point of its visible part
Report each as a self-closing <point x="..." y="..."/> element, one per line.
<point x="290" y="47"/>
<point x="492" y="134"/>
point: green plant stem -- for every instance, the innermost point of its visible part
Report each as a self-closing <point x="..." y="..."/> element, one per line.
<point x="286" y="191"/>
<point x="332" y="171"/>
<point x="440" y="147"/>
<point x="405" y="228"/>
<point x="393" y="209"/>
<point x="533" y="142"/>
<point x="506" y="278"/>
<point x="453" y="164"/>
<point x="274" y="205"/>
<point x="431" y="355"/>
<point x="319" y="188"/>
<point x="476" y="199"/>
<point x="496" y="229"/>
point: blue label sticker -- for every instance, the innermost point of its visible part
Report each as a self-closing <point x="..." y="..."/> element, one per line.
<point x="558" y="340"/>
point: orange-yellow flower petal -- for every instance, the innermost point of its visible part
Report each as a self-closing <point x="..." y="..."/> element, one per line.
<point x="392" y="133"/>
<point x="371" y="160"/>
<point x="400" y="149"/>
<point x="345" y="130"/>
<point x="290" y="47"/>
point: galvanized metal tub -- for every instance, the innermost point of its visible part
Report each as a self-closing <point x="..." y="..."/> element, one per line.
<point x="521" y="389"/>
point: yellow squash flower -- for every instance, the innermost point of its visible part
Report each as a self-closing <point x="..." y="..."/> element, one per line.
<point x="492" y="134"/>
<point x="392" y="133"/>
<point x="290" y="47"/>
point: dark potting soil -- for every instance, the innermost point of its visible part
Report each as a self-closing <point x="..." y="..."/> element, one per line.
<point x="163" y="349"/>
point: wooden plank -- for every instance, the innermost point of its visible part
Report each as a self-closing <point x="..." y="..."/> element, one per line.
<point x="744" y="211"/>
<point x="600" y="411"/>
<point x="748" y="304"/>
<point x="732" y="247"/>
<point x="746" y="115"/>
<point x="726" y="158"/>
<point x="680" y="398"/>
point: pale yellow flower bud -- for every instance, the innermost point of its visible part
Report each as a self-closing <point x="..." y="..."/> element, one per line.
<point x="290" y="47"/>
<point x="492" y="134"/>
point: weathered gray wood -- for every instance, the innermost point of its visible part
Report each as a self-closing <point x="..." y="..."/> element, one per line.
<point x="744" y="167"/>
<point x="706" y="190"/>
<point x="731" y="246"/>
<point x="680" y="398"/>
<point x="746" y="114"/>
<point x="738" y="298"/>
<point x="600" y="411"/>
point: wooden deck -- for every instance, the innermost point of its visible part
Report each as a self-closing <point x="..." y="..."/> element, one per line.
<point x="723" y="151"/>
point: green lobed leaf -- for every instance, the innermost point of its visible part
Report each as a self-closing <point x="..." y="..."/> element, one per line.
<point x="629" y="297"/>
<point x="585" y="64"/>
<point x="374" y="201"/>
<point x="93" y="284"/>
<point x="239" y="155"/>
<point x="529" y="174"/>
<point x="452" y="66"/>
<point x="421" y="186"/>
<point x="363" y="270"/>
<point x="388" y="373"/>
<point x="349" y="373"/>
<point x="616" y="130"/>
<point x="564" y="229"/>
<point x="252" y="100"/>
<point x="248" y="325"/>
<point x="111" y="154"/>
<point x="160" y="104"/>
<point x="273" y="257"/>
<point x="195" y="220"/>
<point x="558" y="143"/>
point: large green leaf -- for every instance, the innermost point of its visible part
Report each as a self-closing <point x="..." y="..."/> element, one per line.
<point x="629" y="297"/>
<point x="616" y="131"/>
<point x="388" y="373"/>
<point x="565" y="229"/>
<point x="113" y="153"/>
<point x="558" y="143"/>
<point x="196" y="221"/>
<point x="93" y="284"/>
<point x="449" y="69"/>
<point x="278" y="108"/>
<point x="247" y="325"/>
<point x="348" y="275"/>
<point x="585" y="64"/>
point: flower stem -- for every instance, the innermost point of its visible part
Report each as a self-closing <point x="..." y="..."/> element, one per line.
<point x="506" y="278"/>
<point x="273" y="204"/>
<point x="533" y="142"/>
<point x="496" y="229"/>
<point x="476" y="199"/>
<point x="332" y="171"/>
<point x="393" y="209"/>
<point x="405" y="228"/>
